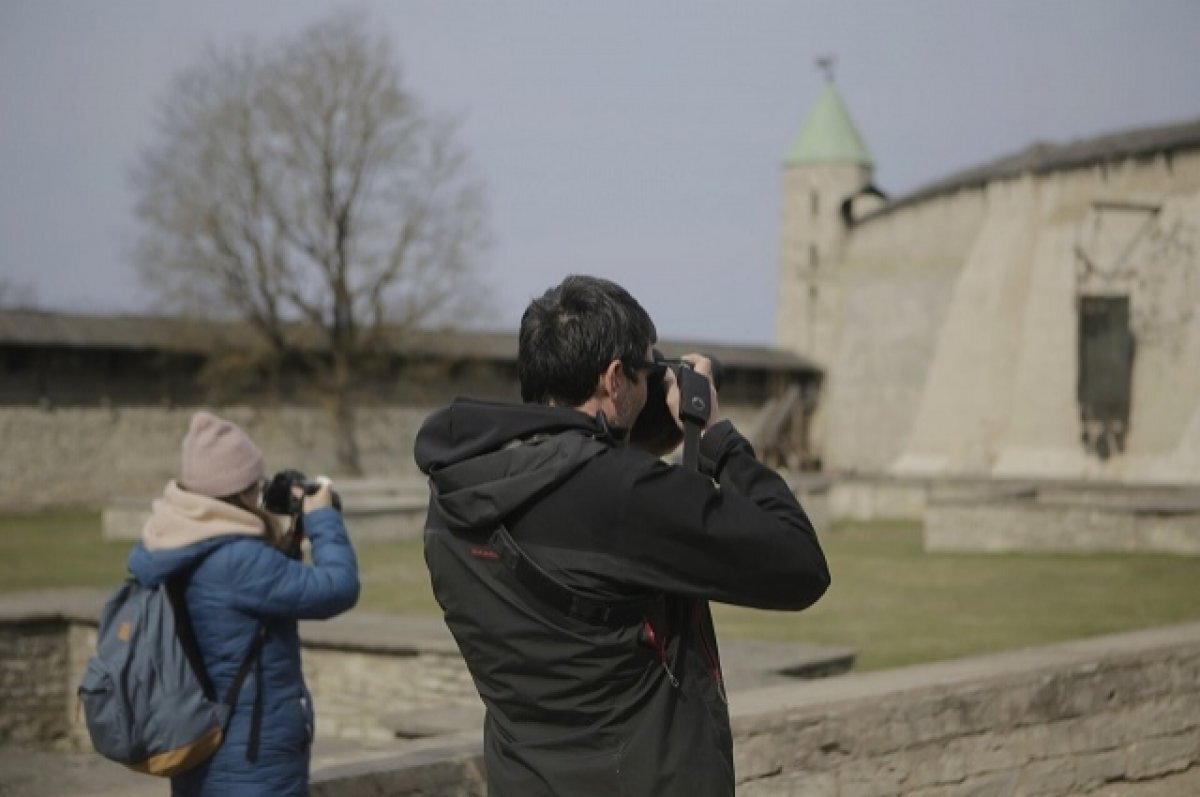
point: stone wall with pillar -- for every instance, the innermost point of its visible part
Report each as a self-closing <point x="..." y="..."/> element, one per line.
<point x="958" y="340"/>
<point x="1114" y="715"/>
<point x="87" y="457"/>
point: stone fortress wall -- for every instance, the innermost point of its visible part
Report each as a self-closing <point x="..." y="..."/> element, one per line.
<point x="1000" y="391"/>
<point x="1107" y="716"/>
<point x="87" y="457"/>
<point x="949" y="321"/>
<point x="975" y="369"/>
<point x="895" y="279"/>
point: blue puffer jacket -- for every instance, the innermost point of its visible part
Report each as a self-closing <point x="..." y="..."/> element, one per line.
<point x="239" y="582"/>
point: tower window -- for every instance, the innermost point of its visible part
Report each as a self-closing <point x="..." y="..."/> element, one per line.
<point x="814" y="200"/>
<point x="1106" y="348"/>
<point x="812" y="256"/>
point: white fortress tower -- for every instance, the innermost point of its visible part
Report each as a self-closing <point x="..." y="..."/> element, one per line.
<point x="824" y="172"/>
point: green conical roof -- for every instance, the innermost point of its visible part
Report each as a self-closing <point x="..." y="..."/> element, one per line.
<point x="829" y="136"/>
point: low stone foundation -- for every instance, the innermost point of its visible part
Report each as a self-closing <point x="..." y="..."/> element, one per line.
<point x="1119" y="714"/>
<point x="881" y="496"/>
<point x="877" y="498"/>
<point x="33" y="672"/>
<point x="1067" y="519"/>
<point x="1058" y="720"/>
<point x="1010" y="514"/>
<point x="360" y="668"/>
<point x="1115" y="715"/>
<point x="376" y="680"/>
<point x="363" y="669"/>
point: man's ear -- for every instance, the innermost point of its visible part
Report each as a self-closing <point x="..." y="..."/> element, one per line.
<point x="610" y="380"/>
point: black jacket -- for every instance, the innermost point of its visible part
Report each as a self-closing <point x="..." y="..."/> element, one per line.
<point x="630" y="705"/>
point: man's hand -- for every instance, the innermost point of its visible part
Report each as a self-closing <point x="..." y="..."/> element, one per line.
<point x="701" y="365"/>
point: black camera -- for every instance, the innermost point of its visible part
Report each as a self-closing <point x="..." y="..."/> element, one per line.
<point x="280" y="499"/>
<point x="655" y="430"/>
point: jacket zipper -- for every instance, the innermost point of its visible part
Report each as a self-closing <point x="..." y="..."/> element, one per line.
<point x="710" y="655"/>
<point x="659" y="645"/>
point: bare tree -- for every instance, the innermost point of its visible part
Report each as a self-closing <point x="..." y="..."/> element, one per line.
<point x="302" y="182"/>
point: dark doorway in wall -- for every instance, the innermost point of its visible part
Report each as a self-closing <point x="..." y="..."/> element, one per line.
<point x="1106" y="348"/>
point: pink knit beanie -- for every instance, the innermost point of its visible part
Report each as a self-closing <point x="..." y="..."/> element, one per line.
<point x="219" y="459"/>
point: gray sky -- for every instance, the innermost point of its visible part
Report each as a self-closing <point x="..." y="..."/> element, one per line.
<point x="637" y="141"/>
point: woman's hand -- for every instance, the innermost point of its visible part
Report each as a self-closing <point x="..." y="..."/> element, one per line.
<point x="322" y="498"/>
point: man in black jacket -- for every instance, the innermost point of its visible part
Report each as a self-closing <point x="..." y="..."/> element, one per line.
<point x="575" y="570"/>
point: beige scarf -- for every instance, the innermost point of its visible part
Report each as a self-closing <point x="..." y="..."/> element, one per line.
<point x="180" y="518"/>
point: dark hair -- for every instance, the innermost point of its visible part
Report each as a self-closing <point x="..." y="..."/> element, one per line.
<point x="271" y="531"/>
<point x="571" y="334"/>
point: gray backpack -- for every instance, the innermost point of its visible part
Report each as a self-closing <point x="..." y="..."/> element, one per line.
<point x="148" y="702"/>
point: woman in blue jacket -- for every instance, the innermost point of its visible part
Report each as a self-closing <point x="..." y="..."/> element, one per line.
<point x="208" y="527"/>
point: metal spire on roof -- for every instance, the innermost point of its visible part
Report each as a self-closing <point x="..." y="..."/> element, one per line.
<point x="829" y="135"/>
<point x="825" y="63"/>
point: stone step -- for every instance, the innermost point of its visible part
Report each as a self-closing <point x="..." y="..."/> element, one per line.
<point x="376" y="510"/>
<point x="746" y="665"/>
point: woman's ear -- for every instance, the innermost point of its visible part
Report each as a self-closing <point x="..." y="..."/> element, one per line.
<point x="250" y="496"/>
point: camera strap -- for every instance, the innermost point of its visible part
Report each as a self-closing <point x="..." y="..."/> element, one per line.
<point x="549" y="590"/>
<point x="691" y="446"/>
<point x="695" y="394"/>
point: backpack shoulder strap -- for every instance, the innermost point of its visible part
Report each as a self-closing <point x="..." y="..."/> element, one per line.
<point x="176" y="590"/>
<point x="176" y="587"/>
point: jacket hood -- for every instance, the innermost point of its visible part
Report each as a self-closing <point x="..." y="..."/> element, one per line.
<point x="183" y="528"/>
<point x="181" y="518"/>
<point x="486" y="460"/>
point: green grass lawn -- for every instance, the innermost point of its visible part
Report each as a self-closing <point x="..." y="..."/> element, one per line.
<point x="898" y="605"/>
<point x="890" y="600"/>
<point x="57" y="549"/>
